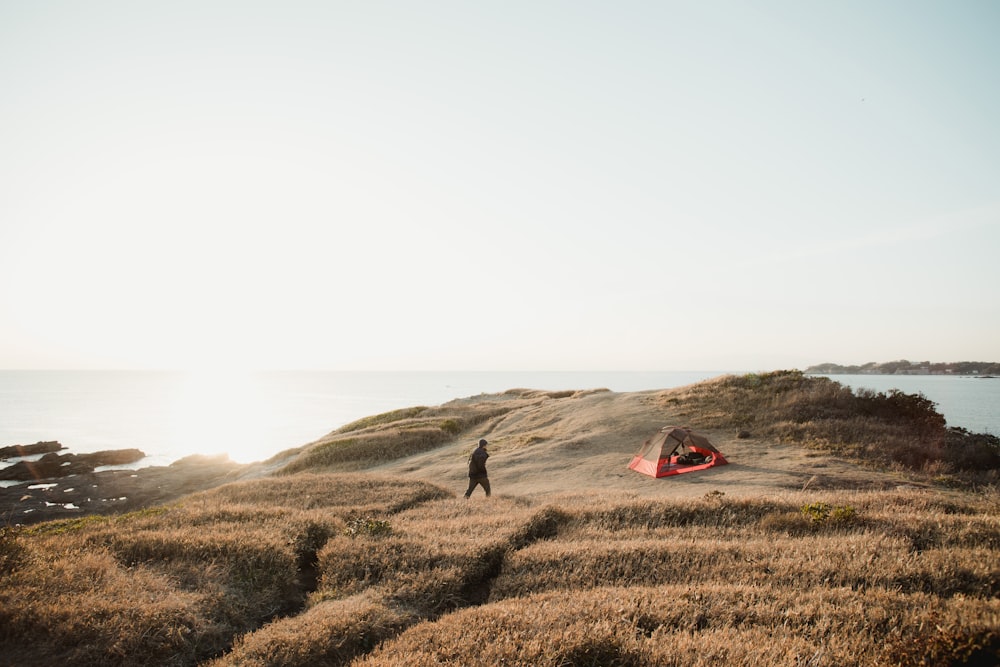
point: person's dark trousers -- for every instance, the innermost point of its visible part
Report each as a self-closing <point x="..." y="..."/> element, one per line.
<point x="473" y="481"/>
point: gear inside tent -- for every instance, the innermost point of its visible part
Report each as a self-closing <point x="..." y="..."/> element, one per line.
<point x="675" y="450"/>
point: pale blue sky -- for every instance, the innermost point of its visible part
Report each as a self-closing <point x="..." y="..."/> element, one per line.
<point x="498" y="185"/>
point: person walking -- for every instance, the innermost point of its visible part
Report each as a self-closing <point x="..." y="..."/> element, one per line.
<point x="477" y="469"/>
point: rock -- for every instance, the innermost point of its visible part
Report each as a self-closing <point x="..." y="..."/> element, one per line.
<point x="113" y="457"/>
<point x="48" y="467"/>
<point x="54" y="466"/>
<point x="15" y="451"/>
<point x="116" y="491"/>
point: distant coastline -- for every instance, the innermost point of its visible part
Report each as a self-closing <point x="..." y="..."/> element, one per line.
<point x="981" y="369"/>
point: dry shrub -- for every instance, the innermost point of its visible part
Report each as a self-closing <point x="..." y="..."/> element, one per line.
<point x="12" y="550"/>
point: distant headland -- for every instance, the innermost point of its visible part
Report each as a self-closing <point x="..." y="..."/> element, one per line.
<point x="904" y="367"/>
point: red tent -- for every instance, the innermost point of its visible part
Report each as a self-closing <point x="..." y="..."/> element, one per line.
<point x="660" y="455"/>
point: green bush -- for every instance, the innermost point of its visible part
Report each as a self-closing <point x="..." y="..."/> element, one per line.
<point x="825" y="513"/>
<point x="367" y="526"/>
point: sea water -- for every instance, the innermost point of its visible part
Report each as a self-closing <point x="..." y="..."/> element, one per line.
<point x="252" y="416"/>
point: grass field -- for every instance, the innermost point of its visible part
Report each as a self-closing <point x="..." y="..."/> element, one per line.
<point x="316" y="566"/>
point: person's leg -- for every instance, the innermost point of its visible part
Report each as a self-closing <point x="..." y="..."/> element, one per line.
<point x="486" y="485"/>
<point x="472" y="486"/>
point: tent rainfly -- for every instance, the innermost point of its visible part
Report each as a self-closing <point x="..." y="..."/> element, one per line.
<point x="659" y="455"/>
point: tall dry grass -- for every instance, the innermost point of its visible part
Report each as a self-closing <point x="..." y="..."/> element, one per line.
<point x="176" y="585"/>
<point x="702" y="625"/>
<point x="407" y="574"/>
<point x="909" y="578"/>
<point x="328" y="632"/>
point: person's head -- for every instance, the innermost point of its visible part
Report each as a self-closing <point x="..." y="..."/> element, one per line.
<point x="483" y="443"/>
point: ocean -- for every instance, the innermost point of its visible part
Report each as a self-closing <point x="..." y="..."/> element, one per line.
<point x="252" y="416"/>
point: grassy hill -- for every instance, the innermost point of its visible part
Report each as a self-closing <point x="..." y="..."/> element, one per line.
<point x="847" y="530"/>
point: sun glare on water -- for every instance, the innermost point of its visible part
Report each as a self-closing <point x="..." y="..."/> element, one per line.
<point x="222" y="412"/>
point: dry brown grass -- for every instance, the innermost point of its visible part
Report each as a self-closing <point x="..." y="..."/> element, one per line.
<point x="694" y="624"/>
<point x="438" y="557"/>
<point x="176" y="585"/>
<point x="329" y="632"/>
<point x="365" y="569"/>
<point x="400" y="433"/>
<point x="666" y="583"/>
<point x="569" y="580"/>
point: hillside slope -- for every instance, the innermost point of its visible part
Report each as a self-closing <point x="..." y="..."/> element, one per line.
<point x="795" y="434"/>
<point x="584" y="442"/>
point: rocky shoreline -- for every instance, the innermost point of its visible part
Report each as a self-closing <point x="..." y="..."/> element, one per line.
<point x="60" y="486"/>
<point x="57" y="466"/>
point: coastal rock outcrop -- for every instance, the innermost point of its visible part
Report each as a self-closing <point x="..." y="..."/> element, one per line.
<point x="116" y="491"/>
<point x="15" y="451"/>
<point x="53" y="466"/>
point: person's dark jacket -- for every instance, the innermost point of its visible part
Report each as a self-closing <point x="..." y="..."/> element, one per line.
<point x="477" y="462"/>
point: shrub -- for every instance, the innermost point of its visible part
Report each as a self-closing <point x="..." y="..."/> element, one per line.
<point x="824" y="513"/>
<point x="451" y="426"/>
<point x="12" y="551"/>
<point x="367" y="526"/>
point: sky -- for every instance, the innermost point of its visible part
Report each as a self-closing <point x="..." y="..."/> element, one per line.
<point x="515" y="185"/>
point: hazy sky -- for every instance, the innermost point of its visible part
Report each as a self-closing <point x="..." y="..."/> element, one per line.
<point x="498" y="185"/>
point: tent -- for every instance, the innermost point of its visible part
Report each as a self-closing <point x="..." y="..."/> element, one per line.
<point x="661" y="455"/>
